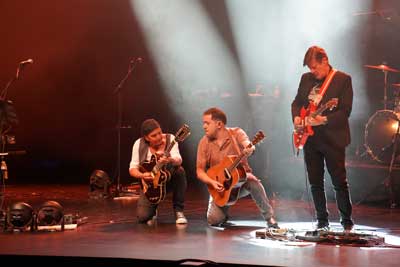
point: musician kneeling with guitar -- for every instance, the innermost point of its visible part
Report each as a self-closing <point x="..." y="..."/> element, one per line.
<point x="157" y="162"/>
<point x="223" y="167"/>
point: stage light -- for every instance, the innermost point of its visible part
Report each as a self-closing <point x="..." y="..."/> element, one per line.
<point x="50" y="213"/>
<point x="19" y="216"/>
<point x="99" y="184"/>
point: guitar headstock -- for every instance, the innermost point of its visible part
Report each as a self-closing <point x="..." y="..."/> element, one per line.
<point x="332" y="103"/>
<point x="182" y="133"/>
<point x="258" y="137"/>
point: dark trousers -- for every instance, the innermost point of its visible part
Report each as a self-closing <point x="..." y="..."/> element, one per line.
<point x="177" y="185"/>
<point x="316" y="155"/>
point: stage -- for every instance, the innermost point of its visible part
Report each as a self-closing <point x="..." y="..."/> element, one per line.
<point x="107" y="233"/>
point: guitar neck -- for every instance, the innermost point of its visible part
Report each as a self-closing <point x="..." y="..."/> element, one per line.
<point x="236" y="162"/>
<point x="168" y="149"/>
<point x="257" y="138"/>
<point x="319" y="111"/>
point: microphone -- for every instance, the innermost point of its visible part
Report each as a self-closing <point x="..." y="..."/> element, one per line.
<point x="28" y="61"/>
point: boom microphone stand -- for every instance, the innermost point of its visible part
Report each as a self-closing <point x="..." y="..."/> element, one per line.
<point x="8" y="118"/>
<point x="117" y="91"/>
<point x="21" y="66"/>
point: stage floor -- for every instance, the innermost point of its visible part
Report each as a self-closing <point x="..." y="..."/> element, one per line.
<point x="108" y="232"/>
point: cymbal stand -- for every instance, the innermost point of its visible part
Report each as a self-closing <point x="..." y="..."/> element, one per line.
<point x="4" y="168"/>
<point x="385" y="72"/>
<point x="389" y="181"/>
<point x="3" y="175"/>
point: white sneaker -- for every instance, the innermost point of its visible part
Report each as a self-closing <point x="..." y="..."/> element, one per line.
<point x="153" y="220"/>
<point x="180" y="218"/>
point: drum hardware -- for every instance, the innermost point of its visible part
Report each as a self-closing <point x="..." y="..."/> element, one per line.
<point x="383" y="126"/>
<point x="379" y="135"/>
<point x="385" y="69"/>
<point x="362" y="151"/>
<point x="396" y="93"/>
<point x="389" y="181"/>
<point x="382" y="67"/>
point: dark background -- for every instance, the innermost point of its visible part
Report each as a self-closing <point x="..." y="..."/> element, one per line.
<point x="67" y="108"/>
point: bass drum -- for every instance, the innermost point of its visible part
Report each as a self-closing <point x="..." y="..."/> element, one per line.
<point x="380" y="133"/>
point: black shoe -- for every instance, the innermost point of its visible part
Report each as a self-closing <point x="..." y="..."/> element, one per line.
<point x="226" y="224"/>
<point x="272" y="224"/>
<point x="322" y="226"/>
<point x="348" y="227"/>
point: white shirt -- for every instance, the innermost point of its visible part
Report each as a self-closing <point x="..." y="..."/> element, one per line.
<point x="135" y="153"/>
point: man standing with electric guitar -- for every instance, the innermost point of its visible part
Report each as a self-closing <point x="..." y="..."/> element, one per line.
<point x="157" y="162"/>
<point x="320" y="113"/>
<point x="222" y="165"/>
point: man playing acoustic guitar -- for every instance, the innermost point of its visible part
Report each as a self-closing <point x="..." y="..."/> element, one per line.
<point x="224" y="145"/>
<point x="331" y="132"/>
<point x="152" y="146"/>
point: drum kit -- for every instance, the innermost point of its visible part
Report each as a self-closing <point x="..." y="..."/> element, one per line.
<point x="381" y="129"/>
<point x="382" y="138"/>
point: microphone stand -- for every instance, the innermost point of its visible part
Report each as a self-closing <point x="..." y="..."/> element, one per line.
<point x="117" y="91"/>
<point x="5" y="126"/>
<point x="3" y="93"/>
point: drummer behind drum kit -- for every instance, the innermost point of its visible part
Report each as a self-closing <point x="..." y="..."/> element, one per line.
<point x="382" y="140"/>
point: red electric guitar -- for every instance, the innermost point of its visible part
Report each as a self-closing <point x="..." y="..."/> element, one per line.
<point x="301" y="135"/>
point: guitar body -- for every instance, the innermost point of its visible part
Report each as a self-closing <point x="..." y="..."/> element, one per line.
<point x="232" y="181"/>
<point x="300" y="136"/>
<point x="155" y="190"/>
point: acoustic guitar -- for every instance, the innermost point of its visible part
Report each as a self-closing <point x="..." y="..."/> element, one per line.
<point x="231" y="174"/>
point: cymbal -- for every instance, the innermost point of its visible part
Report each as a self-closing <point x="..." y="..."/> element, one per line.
<point x="382" y="67"/>
<point x="396" y="84"/>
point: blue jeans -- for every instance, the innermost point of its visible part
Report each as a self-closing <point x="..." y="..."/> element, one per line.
<point x="217" y="215"/>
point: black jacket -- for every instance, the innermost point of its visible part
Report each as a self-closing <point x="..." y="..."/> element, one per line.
<point x="337" y="131"/>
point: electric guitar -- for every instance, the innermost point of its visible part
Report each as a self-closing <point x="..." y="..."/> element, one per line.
<point x="231" y="174"/>
<point x="301" y="135"/>
<point x="155" y="190"/>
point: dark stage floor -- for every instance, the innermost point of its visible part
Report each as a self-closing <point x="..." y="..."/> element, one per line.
<point x="109" y="234"/>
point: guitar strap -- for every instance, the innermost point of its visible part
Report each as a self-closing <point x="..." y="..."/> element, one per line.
<point x="324" y="87"/>
<point x="234" y="142"/>
<point x="144" y="148"/>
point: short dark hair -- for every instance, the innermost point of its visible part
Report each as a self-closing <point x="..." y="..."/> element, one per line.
<point x="148" y="126"/>
<point x="216" y="114"/>
<point x="314" y="52"/>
